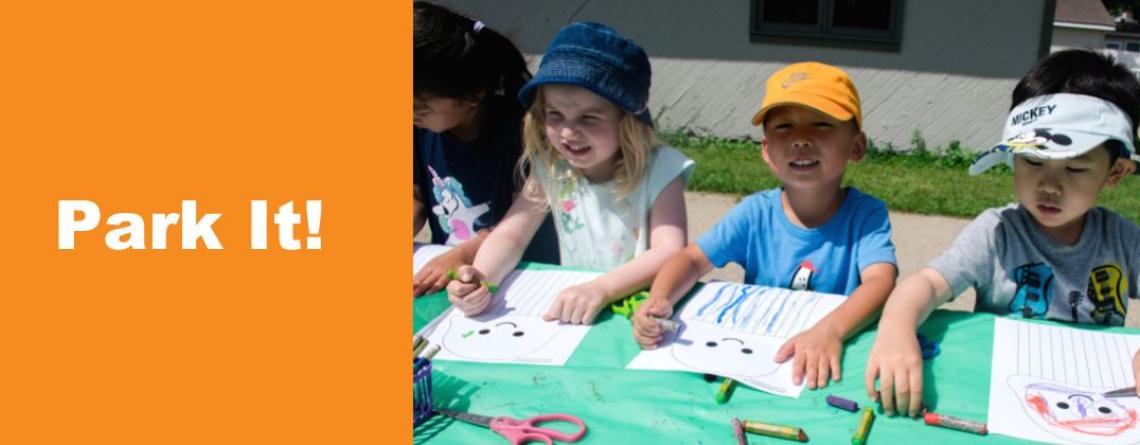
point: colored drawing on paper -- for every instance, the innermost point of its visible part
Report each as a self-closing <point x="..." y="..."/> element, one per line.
<point x="1077" y="414"/>
<point x="498" y="338"/>
<point x="734" y="330"/>
<point x="512" y="330"/>
<point x="1047" y="384"/>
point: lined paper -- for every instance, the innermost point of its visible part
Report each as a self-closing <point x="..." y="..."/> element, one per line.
<point x="734" y="330"/>
<point x="763" y="311"/>
<point x="511" y="330"/>
<point x="1046" y="384"/>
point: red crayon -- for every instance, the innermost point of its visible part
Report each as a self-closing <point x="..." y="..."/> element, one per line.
<point x="738" y="431"/>
<point x="955" y="423"/>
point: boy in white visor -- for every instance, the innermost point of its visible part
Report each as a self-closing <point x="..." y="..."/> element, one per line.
<point x="1053" y="254"/>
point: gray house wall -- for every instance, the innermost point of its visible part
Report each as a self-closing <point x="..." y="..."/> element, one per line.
<point x="951" y="79"/>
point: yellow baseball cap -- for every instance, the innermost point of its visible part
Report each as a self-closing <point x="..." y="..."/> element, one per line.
<point x="821" y="87"/>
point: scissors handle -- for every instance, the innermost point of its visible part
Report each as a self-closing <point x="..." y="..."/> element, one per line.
<point x="521" y="431"/>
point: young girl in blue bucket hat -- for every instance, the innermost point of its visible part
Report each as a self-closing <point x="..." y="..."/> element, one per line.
<point x="616" y="192"/>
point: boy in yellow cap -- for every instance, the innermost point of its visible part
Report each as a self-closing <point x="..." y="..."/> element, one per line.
<point x="810" y="233"/>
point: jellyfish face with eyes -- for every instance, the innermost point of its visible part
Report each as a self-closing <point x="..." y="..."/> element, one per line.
<point x="1077" y="414"/>
<point x="501" y="338"/>
<point x="720" y="350"/>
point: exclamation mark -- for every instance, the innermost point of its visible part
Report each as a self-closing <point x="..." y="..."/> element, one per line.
<point x="313" y="215"/>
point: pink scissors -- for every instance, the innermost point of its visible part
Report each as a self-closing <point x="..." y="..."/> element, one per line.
<point x="522" y="431"/>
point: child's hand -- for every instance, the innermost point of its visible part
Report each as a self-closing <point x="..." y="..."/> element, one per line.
<point x="646" y="330"/>
<point x="433" y="276"/>
<point x="577" y="304"/>
<point x="1136" y="369"/>
<point x="467" y="291"/>
<point x="897" y="360"/>
<point x="817" y="352"/>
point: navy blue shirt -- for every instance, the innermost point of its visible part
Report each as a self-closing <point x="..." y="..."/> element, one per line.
<point x="468" y="186"/>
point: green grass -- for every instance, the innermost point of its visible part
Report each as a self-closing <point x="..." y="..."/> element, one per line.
<point x="919" y="181"/>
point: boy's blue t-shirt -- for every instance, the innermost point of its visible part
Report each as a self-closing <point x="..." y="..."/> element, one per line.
<point x="758" y="235"/>
<point x="469" y="186"/>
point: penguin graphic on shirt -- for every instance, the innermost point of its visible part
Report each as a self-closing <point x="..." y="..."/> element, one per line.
<point x="801" y="279"/>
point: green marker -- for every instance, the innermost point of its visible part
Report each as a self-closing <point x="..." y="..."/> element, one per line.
<point x="491" y="287"/>
<point x="468" y="333"/>
<point x="724" y="391"/>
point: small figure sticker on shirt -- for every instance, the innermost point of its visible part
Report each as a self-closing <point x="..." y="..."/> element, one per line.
<point x="801" y="279"/>
<point x="1034" y="290"/>
<point x="1107" y="287"/>
<point x="456" y="214"/>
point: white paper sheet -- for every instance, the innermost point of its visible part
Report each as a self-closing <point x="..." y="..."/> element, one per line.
<point x="423" y="253"/>
<point x="1047" y="384"/>
<point x="734" y="330"/>
<point x="512" y="329"/>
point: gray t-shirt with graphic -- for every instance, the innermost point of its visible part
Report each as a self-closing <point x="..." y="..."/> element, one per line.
<point x="1018" y="269"/>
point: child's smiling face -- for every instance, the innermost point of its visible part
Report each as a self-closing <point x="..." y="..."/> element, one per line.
<point x="583" y="127"/>
<point x="1058" y="192"/>
<point x="807" y="149"/>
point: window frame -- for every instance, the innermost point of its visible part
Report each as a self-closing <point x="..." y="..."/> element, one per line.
<point x="823" y="33"/>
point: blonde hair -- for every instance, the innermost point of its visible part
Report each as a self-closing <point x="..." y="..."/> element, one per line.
<point x="636" y="144"/>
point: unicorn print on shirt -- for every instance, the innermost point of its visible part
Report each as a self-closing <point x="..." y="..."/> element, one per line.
<point x="456" y="214"/>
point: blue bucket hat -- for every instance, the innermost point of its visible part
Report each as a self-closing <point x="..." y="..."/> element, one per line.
<point x="596" y="57"/>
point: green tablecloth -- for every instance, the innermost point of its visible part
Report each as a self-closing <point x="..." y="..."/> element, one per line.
<point x="665" y="407"/>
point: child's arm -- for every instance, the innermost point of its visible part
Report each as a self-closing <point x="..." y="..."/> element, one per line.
<point x="497" y="256"/>
<point x="667" y="232"/>
<point x="895" y="358"/>
<point x="433" y="276"/>
<point x="678" y="275"/>
<point x="817" y="350"/>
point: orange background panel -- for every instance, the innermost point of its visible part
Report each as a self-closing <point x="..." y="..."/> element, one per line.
<point x="140" y="105"/>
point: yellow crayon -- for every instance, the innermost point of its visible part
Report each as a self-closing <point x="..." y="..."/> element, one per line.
<point x="771" y="430"/>
<point x="864" y="427"/>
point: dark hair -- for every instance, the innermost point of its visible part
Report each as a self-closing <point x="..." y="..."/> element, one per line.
<point x="454" y="59"/>
<point x="1079" y="71"/>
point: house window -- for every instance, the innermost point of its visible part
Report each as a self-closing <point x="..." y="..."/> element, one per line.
<point x="875" y="24"/>
<point x="1112" y="45"/>
<point x="1132" y="47"/>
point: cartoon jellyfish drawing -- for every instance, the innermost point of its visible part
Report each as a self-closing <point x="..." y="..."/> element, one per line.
<point x="1078" y="414"/>
<point x="732" y="352"/>
<point x="501" y="338"/>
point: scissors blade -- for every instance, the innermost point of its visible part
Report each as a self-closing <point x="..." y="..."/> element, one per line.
<point x="474" y="419"/>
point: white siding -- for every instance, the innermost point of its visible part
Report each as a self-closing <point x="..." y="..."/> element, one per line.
<point x="951" y="78"/>
<point x="1070" y="38"/>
